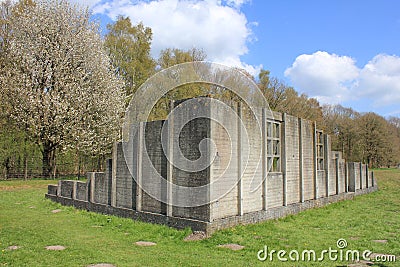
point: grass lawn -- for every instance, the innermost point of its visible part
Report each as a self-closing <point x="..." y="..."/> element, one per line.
<point x="26" y="220"/>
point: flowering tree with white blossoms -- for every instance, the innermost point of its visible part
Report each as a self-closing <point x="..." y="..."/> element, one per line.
<point x="61" y="86"/>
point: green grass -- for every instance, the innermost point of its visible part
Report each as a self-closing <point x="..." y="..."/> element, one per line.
<point x="26" y="220"/>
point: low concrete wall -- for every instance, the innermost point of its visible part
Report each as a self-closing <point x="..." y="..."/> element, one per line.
<point x="208" y="227"/>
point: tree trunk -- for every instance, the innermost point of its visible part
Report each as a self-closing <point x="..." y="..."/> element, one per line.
<point x="48" y="159"/>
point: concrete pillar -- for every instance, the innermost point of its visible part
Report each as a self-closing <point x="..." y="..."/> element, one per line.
<point x="283" y="155"/>
<point x="74" y="190"/>
<point x="315" y="175"/>
<point x="239" y="155"/>
<point x="337" y="177"/>
<point x="326" y="163"/>
<point x="91" y="189"/>
<point x="352" y="176"/>
<point x="114" y="176"/>
<point x="301" y="173"/>
<point x="264" y="159"/>
<point x="139" y="157"/>
<point x="109" y="177"/>
<point x="170" y="166"/>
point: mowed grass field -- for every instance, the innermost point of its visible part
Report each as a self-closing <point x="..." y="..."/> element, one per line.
<point x="369" y="222"/>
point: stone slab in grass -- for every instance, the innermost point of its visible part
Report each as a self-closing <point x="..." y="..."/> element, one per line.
<point x="145" y="243"/>
<point x="380" y="241"/>
<point x="58" y="247"/>
<point x="13" y="247"/>
<point x="102" y="265"/>
<point x="232" y="246"/>
<point x="197" y="235"/>
<point x="56" y="211"/>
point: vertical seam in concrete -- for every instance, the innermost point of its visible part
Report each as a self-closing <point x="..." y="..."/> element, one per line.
<point x="264" y="158"/>
<point x="315" y="178"/>
<point x="139" y="155"/>
<point x="74" y="190"/>
<point x="301" y="182"/>
<point x="114" y="176"/>
<point x="326" y="163"/>
<point x="337" y="175"/>
<point x="92" y="187"/>
<point x="284" y="157"/>
<point x="170" y="161"/>
<point x="239" y="155"/>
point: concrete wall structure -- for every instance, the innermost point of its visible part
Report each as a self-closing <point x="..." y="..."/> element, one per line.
<point x="286" y="168"/>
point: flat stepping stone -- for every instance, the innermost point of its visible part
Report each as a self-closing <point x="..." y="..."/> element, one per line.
<point x="145" y="243"/>
<point x="232" y="246"/>
<point x="380" y="241"/>
<point x="13" y="247"/>
<point x="56" y="211"/>
<point x="195" y="236"/>
<point x="55" y="247"/>
<point x="102" y="265"/>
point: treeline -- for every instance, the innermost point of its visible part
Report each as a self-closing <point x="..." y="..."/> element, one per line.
<point x="63" y="92"/>
<point x="362" y="137"/>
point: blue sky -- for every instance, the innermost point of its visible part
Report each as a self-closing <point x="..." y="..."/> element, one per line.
<point x="345" y="52"/>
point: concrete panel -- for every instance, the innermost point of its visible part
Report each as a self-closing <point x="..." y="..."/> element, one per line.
<point x="154" y="188"/>
<point x="292" y="159"/>
<point x="308" y="159"/>
<point x="189" y="139"/>
<point x="125" y="187"/>
<point x="66" y="188"/>
<point x="321" y="183"/>
<point x="81" y="191"/>
<point x="252" y="168"/>
<point x="52" y="189"/>
<point x="275" y="190"/>
<point x="224" y="169"/>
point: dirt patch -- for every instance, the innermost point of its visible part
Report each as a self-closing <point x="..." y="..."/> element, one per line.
<point x="13" y="247"/>
<point x="195" y="236"/>
<point x="58" y="247"/>
<point x="232" y="246"/>
<point x="145" y="243"/>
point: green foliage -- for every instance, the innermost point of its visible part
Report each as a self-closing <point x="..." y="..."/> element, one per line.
<point x="285" y="99"/>
<point x="129" y="50"/>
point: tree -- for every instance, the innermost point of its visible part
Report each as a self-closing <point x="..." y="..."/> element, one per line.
<point x="168" y="58"/>
<point x="285" y="99"/>
<point x="173" y="56"/>
<point x="340" y="122"/>
<point x="376" y="149"/>
<point x="60" y="86"/>
<point x="129" y="49"/>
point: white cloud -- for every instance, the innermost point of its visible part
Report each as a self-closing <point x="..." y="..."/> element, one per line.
<point x="336" y="79"/>
<point x="380" y="80"/>
<point x="325" y="76"/>
<point x="218" y="27"/>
